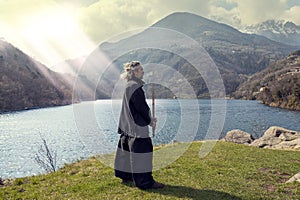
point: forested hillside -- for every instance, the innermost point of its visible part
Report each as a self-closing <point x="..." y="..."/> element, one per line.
<point x="26" y="83"/>
<point x="278" y="85"/>
<point x="237" y="55"/>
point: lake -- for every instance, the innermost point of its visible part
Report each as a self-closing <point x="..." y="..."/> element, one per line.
<point x="82" y="130"/>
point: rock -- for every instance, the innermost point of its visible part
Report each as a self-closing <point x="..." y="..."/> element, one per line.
<point x="294" y="178"/>
<point x="238" y="136"/>
<point x="294" y="144"/>
<point x="278" y="138"/>
<point x="274" y="138"/>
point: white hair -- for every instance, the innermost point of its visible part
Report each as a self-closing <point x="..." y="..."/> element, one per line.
<point x="128" y="69"/>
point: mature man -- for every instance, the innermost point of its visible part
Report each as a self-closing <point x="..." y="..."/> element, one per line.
<point x="133" y="161"/>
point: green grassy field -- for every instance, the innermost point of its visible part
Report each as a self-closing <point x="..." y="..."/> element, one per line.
<point x="230" y="171"/>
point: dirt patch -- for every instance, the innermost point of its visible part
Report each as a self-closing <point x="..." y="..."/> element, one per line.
<point x="290" y="190"/>
<point x="282" y="176"/>
<point x="269" y="188"/>
<point x="264" y="169"/>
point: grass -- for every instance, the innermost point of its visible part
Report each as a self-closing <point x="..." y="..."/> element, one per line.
<point x="230" y="171"/>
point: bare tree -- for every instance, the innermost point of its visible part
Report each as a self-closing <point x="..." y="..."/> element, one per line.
<point x="46" y="158"/>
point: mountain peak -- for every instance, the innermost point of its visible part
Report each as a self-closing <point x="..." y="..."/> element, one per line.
<point x="277" y="26"/>
<point x="185" y="19"/>
<point x="184" y="15"/>
<point x="282" y="31"/>
<point x="195" y="26"/>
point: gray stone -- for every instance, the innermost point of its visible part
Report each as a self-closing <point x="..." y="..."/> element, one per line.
<point x="238" y="136"/>
<point x="278" y="138"/>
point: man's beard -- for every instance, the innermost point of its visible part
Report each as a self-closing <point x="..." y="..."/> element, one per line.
<point x="142" y="76"/>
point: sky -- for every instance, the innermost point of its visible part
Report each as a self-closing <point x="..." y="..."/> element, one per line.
<point x="54" y="30"/>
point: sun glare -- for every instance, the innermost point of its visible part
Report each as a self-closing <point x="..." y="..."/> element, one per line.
<point x="53" y="35"/>
<point x="49" y="24"/>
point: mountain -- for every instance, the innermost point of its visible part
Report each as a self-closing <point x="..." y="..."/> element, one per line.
<point x="236" y="54"/>
<point x="174" y="47"/>
<point x="278" y="85"/>
<point x="282" y="31"/>
<point x="26" y="83"/>
<point x="230" y="48"/>
<point x="69" y="66"/>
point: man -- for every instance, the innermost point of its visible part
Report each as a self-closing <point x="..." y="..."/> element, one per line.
<point x="133" y="161"/>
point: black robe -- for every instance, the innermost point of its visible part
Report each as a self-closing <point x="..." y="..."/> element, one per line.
<point x="134" y="155"/>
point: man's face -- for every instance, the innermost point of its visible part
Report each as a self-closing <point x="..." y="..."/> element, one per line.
<point x="139" y="72"/>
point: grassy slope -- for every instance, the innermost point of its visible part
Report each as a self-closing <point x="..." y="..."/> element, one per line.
<point x="230" y="171"/>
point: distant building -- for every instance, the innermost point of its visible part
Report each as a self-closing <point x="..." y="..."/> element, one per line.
<point x="262" y="89"/>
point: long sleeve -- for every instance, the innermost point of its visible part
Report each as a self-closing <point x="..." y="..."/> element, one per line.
<point x="139" y="108"/>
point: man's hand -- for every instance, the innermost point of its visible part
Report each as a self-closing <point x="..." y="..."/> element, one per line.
<point x="154" y="120"/>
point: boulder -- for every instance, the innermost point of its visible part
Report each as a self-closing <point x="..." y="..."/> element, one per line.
<point x="238" y="136"/>
<point x="278" y="138"/>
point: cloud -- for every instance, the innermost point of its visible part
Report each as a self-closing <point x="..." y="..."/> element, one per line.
<point x="15" y="11"/>
<point x="225" y="15"/>
<point x="44" y="30"/>
<point x="293" y="14"/>
<point x="106" y="18"/>
<point x="102" y="19"/>
<point x="110" y="17"/>
<point x="76" y="2"/>
<point x="239" y="13"/>
<point x="252" y="12"/>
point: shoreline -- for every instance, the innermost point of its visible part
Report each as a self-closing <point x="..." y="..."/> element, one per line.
<point x="272" y="105"/>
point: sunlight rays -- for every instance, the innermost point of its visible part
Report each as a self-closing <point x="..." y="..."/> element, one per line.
<point x="53" y="35"/>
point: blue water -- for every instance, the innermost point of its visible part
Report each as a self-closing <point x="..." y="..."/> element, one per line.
<point x="81" y="130"/>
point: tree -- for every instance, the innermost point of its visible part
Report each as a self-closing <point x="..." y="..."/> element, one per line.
<point x="46" y="158"/>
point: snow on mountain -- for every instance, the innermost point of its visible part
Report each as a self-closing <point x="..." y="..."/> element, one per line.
<point x="278" y="30"/>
